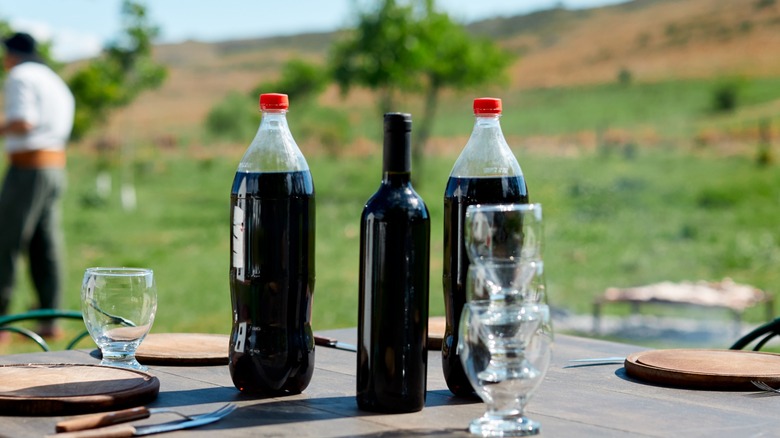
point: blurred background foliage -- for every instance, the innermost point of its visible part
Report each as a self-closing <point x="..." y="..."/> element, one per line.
<point x="647" y="129"/>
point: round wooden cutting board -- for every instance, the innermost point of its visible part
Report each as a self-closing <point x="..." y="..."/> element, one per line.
<point x="183" y="349"/>
<point x="705" y="369"/>
<point x="65" y="389"/>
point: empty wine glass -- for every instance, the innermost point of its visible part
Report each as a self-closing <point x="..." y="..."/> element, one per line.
<point x="502" y="233"/>
<point x="118" y="306"/>
<point x="505" y="350"/>
<point x="504" y="242"/>
<point x="509" y="282"/>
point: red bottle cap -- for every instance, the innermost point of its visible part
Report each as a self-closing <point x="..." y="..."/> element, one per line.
<point x="273" y="101"/>
<point x="487" y="105"/>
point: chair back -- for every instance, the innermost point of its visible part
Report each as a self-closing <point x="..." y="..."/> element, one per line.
<point x="7" y="321"/>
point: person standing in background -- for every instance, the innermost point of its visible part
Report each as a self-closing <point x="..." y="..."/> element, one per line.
<point x="39" y="111"/>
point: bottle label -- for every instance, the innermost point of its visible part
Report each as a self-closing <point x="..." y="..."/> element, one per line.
<point x="240" y="338"/>
<point x="238" y="237"/>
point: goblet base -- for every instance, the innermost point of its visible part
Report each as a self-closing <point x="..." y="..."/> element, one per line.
<point x="501" y="426"/>
<point x="123" y="362"/>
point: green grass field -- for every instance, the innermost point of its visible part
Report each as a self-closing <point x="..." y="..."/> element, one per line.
<point x="676" y="109"/>
<point x="626" y="216"/>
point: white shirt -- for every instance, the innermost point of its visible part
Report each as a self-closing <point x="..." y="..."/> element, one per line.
<point x="37" y="95"/>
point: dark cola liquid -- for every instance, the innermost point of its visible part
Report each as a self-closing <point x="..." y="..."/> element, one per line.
<point x="460" y="193"/>
<point x="272" y="281"/>
<point x="393" y="301"/>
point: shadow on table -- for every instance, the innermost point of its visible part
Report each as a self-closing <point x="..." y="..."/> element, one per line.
<point x="444" y="397"/>
<point x="419" y="432"/>
<point x="305" y="413"/>
<point x="190" y="397"/>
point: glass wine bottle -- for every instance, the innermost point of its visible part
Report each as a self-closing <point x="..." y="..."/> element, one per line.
<point x="394" y="276"/>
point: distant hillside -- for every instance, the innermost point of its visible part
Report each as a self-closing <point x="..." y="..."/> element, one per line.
<point x="648" y="40"/>
<point x="651" y="39"/>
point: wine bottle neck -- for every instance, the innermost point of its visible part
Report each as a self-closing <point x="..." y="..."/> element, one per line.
<point x="397" y="153"/>
<point x="396" y="178"/>
<point x="397" y="157"/>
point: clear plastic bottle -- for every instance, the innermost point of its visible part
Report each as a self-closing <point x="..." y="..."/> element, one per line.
<point x="395" y="232"/>
<point x="486" y="172"/>
<point x="272" y="260"/>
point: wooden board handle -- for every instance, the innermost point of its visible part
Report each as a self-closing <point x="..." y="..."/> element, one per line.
<point x="325" y="341"/>
<point x="101" y="420"/>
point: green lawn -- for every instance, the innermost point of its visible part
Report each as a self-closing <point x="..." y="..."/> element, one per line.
<point x="674" y="108"/>
<point x="616" y="221"/>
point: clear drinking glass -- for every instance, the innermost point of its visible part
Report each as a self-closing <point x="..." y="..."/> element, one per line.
<point x="118" y="305"/>
<point x="505" y="336"/>
<point x="504" y="244"/>
<point x="503" y="233"/>
<point x="505" y="350"/>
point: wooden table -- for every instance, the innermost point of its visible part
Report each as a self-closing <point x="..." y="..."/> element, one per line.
<point x="596" y="400"/>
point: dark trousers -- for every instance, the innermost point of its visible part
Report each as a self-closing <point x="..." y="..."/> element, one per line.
<point x="30" y="223"/>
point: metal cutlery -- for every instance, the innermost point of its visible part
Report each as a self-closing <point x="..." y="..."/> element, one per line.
<point x="763" y="386"/>
<point x="333" y="343"/>
<point x="92" y="426"/>
<point x="611" y="359"/>
<point x="115" y="319"/>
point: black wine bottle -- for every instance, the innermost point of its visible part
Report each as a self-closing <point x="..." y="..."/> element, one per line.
<point x="395" y="227"/>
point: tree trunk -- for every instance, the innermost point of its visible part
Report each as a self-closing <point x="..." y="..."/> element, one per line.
<point x="423" y="132"/>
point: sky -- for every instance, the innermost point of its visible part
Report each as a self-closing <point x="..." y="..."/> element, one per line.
<point x="80" y="28"/>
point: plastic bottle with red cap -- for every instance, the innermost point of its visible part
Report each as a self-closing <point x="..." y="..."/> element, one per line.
<point x="486" y="172"/>
<point x="274" y="101"/>
<point x="272" y="217"/>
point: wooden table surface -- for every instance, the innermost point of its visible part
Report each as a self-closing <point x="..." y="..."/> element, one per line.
<point x="573" y="401"/>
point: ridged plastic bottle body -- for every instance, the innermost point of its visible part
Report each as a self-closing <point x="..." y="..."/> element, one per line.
<point x="485" y="172"/>
<point x="272" y="264"/>
<point x="393" y="294"/>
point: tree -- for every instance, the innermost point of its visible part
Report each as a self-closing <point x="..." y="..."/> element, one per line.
<point x="113" y="80"/>
<point x="453" y="59"/>
<point x="299" y="80"/>
<point x="382" y="53"/>
<point x="413" y="47"/>
<point x="116" y="78"/>
<point x="235" y="117"/>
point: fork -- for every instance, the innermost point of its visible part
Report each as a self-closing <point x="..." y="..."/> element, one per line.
<point x="116" y="417"/>
<point x="763" y="386"/>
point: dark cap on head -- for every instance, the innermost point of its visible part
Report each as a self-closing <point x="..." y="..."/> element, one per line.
<point x="21" y="44"/>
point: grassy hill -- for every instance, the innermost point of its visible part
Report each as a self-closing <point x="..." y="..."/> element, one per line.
<point x="644" y="41"/>
<point x="653" y="39"/>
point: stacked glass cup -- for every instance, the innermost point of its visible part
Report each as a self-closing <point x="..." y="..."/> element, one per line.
<point x="505" y="330"/>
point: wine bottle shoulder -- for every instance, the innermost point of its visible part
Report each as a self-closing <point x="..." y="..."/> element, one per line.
<point x="396" y="202"/>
